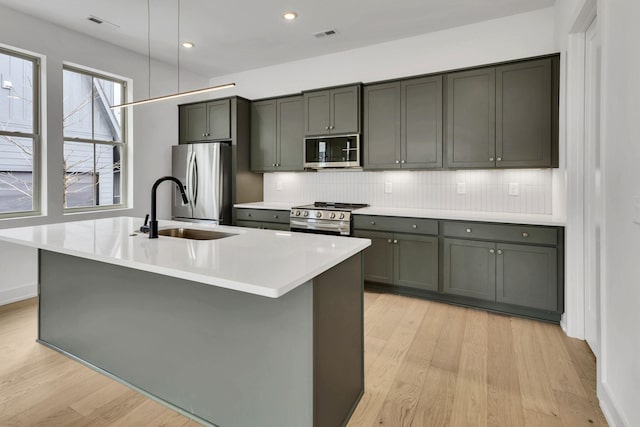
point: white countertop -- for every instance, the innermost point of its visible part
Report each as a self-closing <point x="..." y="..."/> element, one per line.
<point x="503" y="217"/>
<point x="261" y="262"/>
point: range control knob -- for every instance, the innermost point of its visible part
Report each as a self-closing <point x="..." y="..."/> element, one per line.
<point x="318" y="214"/>
<point x="333" y="215"/>
<point x="306" y="213"/>
<point x="297" y="213"/>
<point x="342" y="215"/>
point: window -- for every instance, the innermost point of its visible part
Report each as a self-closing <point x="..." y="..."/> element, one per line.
<point x="19" y="134"/>
<point x="94" y="140"/>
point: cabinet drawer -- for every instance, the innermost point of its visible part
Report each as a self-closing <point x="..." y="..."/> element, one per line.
<point x="267" y="215"/>
<point x="395" y="224"/>
<point x="500" y="232"/>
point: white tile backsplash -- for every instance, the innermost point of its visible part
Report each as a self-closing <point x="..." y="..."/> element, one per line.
<point x="486" y="190"/>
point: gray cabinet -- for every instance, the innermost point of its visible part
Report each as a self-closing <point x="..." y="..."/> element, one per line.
<point x="277" y="135"/>
<point x="399" y="258"/>
<point x="206" y="121"/>
<point x="523" y="114"/>
<point x="470" y="268"/>
<point x="502" y="116"/>
<point x="332" y="111"/>
<point x="471" y="112"/>
<point x="403" y="124"/>
<point x="270" y="219"/>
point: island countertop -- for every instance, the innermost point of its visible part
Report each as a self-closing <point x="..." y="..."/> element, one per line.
<point x="261" y="262"/>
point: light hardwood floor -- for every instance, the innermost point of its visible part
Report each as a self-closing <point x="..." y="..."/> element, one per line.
<point x="426" y="364"/>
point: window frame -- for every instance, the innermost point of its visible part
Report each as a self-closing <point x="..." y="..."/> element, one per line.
<point x="35" y="136"/>
<point x="123" y="144"/>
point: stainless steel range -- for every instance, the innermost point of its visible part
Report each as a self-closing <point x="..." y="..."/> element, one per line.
<point x="324" y="218"/>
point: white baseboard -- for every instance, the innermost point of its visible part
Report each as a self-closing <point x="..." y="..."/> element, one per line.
<point x="610" y="409"/>
<point x="7" y="296"/>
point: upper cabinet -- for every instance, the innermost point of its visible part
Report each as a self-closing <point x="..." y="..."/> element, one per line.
<point x="206" y="121"/>
<point x="277" y="135"/>
<point x="332" y="111"/>
<point x="403" y="124"/>
<point x="502" y="116"/>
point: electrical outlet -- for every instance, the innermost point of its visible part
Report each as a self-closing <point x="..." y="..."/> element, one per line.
<point x="388" y="187"/>
<point x="279" y="185"/>
<point x="514" y="189"/>
<point x="462" y="188"/>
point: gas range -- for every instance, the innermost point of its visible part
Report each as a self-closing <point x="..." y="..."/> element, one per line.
<point x="324" y="218"/>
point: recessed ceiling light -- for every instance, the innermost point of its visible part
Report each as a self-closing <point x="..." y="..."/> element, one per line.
<point x="188" y="45"/>
<point x="289" y="16"/>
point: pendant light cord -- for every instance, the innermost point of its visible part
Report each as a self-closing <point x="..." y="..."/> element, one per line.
<point x="149" y="44"/>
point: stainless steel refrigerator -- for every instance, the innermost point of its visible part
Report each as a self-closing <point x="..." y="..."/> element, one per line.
<point x="205" y="171"/>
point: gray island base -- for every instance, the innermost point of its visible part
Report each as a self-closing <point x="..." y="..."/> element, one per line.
<point x="220" y="356"/>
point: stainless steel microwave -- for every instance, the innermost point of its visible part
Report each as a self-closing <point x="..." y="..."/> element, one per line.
<point x="332" y="152"/>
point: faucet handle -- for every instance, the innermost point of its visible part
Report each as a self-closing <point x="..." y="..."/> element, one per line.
<point x="145" y="227"/>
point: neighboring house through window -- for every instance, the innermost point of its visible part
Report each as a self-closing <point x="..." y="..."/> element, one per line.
<point x="94" y="140"/>
<point x="19" y="134"/>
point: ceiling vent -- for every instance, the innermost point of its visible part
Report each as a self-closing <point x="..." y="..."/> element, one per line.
<point x="325" y="33"/>
<point x="97" y="20"/>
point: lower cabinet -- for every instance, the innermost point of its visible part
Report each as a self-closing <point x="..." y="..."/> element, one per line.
<point x="469" y="268"/>
<point x="400" y="259"/>
<point x="262" y="218"/>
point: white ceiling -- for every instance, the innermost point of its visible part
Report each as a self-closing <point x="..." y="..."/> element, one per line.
<point x="232" y="36"/>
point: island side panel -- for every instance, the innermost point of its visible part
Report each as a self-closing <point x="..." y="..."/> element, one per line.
<point x="231" y="358"/>
<point x="339" y="342"/>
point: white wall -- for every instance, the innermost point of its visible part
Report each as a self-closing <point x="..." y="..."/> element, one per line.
<point x="155" y="127"/>
<point x="619" y="361"/>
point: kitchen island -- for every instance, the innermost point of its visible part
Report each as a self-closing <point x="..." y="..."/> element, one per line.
<point x="258" y="328"/>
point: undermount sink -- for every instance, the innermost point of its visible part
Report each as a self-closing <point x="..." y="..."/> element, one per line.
<point x="193" y="233"/>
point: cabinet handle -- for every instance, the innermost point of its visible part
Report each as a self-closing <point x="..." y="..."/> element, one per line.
<point x="249" y="215"/>
<point x="278" y="165"/>
<point x="326" y="128"/>
<point x="491" y="159"/>
<point x="525" y="234"/>
<point x="273" y="164"/>
<point x="331" y="127"/>
<point x="389" y="240"/>
<point x="492" y="251"/>
<point x="397" y="161"/>
<point x="204" y="134"/>
<point x="414" y="226"/>
<point x="395" y="242"/>
<point x="499" y="251"/>
<point x="469" y="230"/>
<point x="373" y="223"/>
<point x="402" y="161"/>
<point x="275" y="216"/>
<point x="499" y="159"/>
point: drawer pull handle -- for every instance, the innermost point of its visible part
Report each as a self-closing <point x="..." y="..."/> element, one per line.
<point x="373" y="223"/>
<point x="468" y="230"/>
<point x="389" y="240"/>
<point x="249" y="215"/>
<point x="395" y="241"/>
<point x="525" y="234"/>
<point x="499" y="251"/>
<point x="414" y="226"/>
<point x="491" y="251"/>
<point x="275" y="216"/>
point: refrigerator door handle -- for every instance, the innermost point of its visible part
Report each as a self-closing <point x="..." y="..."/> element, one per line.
<point x="194" y="186"/>
<point x="190" y="179"/>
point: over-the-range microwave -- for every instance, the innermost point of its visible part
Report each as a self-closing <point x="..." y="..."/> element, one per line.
<point x="332" y="152"/>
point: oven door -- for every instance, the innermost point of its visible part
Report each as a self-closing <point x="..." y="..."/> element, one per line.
<point x="332" y="152"/>
<point x="320" y="226"/>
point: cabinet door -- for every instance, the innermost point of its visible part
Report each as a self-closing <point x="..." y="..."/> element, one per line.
<point x="378" y="258"/>
<point x="382" y="126"/>
<point x="195" y="122"/>
<point x="290" y="134"/>
<point x="527" y="275"/>
<point x="219" y="119"/>
<point x="263" y="135"/>
<point x="421" y="114"/>
<point x="471" y="112"/>
<point x="345" y="110"/>
<point x="470" y="268"/>
<point x="416" y="261"/>
<point x="316" y="112"/>
<point x="523" y="114"/>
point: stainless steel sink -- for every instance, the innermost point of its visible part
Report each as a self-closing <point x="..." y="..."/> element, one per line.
<point x="195" y="234"/>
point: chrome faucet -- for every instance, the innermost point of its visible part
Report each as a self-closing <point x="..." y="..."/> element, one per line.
<point x="153" y="223"/>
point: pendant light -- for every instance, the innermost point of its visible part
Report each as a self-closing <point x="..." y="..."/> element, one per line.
<point x="175" y="95"/>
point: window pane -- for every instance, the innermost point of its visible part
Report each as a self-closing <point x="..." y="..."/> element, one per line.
<point x="92" y="174"/>
<point x="16" y="174"/>
<point x="107" y="123"/>
<point x="16" y="94"/>
<point x="77" y="91"/>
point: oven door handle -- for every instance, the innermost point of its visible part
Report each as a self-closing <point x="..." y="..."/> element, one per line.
<point x="321" y="225"/>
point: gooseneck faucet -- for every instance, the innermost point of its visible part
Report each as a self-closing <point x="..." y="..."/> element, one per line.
<point x="153" y="223"/>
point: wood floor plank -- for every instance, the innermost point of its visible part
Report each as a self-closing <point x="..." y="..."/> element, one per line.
<point x="426" y="364"/>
